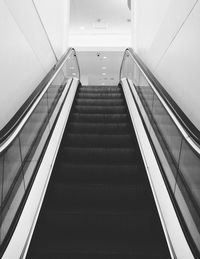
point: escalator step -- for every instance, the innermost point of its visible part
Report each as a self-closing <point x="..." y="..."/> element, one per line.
<point x="96" y="118"/>
<point x="109" y="224"/>
<point x="100" y="90"/>
<point x="94" y="140"/>
<point x="99" y="102"/>
<point x="99" y="196"/>
<point x="98" y="128"/>
<point x="100" y="109"/>
<point x="100" y="95"/>
<point x="99" y="155"/>
<point x="99" y="253"/>
<point x="99" y="173"/>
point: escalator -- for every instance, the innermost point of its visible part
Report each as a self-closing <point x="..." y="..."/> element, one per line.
<point x="99" y="202"/>
<point x="103" y="167"/>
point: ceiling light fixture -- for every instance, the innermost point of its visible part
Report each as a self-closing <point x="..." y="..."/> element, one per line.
<point x="104" y="68"/>
<point x="103" y="74"/>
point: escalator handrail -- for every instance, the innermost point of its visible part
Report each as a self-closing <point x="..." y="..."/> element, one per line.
<point x="183" y="123"/>
<point x="13" y="127"/>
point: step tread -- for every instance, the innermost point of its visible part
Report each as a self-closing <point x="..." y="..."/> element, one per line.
<point x="99" y="95"/>
<point x="100" y="140"/>
<point x="99" y="128"/>
<point x="99" y="102"/>
<point x="100" y="172"/>
<point x="95" y="196"/>
<point x="98" y="117"/>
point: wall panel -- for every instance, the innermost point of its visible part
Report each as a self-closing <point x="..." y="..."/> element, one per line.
<point x="20" y="68"/>
<point x="167" y="39"/>
<point x="179" y="68"/>
<point x="55" y="18"/>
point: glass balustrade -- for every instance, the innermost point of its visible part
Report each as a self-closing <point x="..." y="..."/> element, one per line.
<point x="19" y="160"/>
<point x="183" y="160"/>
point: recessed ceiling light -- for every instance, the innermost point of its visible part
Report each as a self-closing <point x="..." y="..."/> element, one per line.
<point x="104" y="57"/>
<point x="104" y="68"/>
<point x="103" y="74"/>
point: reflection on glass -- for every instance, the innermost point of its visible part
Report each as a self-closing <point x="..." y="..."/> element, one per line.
<point x="32" y="127"/>
<point x="168" y="129"/>
<point x="12" y="164"/>
<point x="189" y="167"/>
<point x="1" y="179"/>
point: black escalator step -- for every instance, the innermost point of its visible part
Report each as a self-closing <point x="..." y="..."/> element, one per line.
<point x="100" y="90"/>
<point x="95" y="140"/>
<point x="100" y="253"/>
<point x="100" y="128"/>
<point x="96" y="233"/>
<point x="99" y="196"/>
<point x="84" y="117"/>
<point x="100" y="231"/>
<point x="99" y="102"/>
<point x="111" y="224"/>
<point x="100" y="109"/>
<point x="100" y="87"/>
<point x="100" y="173"/>
<point x="99" y="155"/>
<point x="99" y="95"/>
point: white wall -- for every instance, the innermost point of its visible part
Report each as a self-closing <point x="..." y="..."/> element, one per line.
<point x="55" y="17"/>
<point x="100" y="23"/>
<point x="101" y="41"/>
<point x="26" y="55"/>
<point x="166" y="35"/>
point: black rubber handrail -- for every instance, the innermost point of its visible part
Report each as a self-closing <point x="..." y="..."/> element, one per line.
<point x="182" y="118"/>
<point x="8" y="129"/>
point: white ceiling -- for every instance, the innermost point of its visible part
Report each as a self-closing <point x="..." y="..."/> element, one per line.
<point x="99" y="17"/>
<point x="93" y="64"/>
<point x="113" y="13"/>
